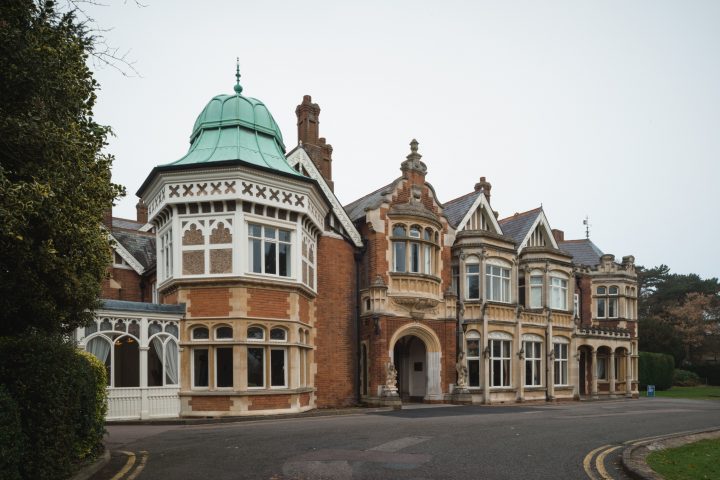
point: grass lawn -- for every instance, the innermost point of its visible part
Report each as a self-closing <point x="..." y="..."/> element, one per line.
<point x="700" y="393"/>
<point x="697" y="460"/>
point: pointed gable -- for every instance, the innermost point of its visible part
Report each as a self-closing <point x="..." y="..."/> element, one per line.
<point x="529" y="229"/>
<point x="471" y="212"/>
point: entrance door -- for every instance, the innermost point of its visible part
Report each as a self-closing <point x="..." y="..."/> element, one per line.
<point x="410" y="357"/>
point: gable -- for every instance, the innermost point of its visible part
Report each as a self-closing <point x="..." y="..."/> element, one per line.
<point x="539" y="235"/>
<point x="126" y="255"/>
<point x="480" y="217"/>
<point x="299" y="160"/>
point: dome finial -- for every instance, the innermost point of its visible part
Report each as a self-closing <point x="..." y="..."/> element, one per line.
<point x="238" y="88"/>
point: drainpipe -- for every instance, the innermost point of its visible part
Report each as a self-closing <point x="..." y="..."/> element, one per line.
<point x="359" y="254"/>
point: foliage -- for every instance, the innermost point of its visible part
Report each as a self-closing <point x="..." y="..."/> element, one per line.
<point x="10" y="446"/>
<point x="60" y="395"/>
<point x="694" y="461"/>
<point x="679" y="314"/>
<point x="54" y="180"/>
<point x="709" y="374"/>
<point x="656" y="369"/>
<point x="685" y="378"/>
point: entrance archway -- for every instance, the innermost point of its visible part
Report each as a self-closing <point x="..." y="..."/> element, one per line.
<point x="415" y="351"/>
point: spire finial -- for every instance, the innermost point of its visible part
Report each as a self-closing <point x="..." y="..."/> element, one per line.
<point x="414" y="146"/>
<point x="238" y="88"/>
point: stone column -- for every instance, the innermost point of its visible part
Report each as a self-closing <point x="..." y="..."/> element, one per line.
<point x="550" y="359"/>
<point x="485" y="359"/>
<point x="612" y="372"/>
<point x="628" y="377"/>
<point x="144" y="347"/>
<point x="519" y="360"/>
<point x="593" y="374"/>
<point x="483" y="283"/>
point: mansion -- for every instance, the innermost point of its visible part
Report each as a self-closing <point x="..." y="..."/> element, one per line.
<point x="244" y="287"/>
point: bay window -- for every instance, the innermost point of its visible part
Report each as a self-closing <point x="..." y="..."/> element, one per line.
<point x="558" y="292"/>
<point x="414" y="250"/>
<point x="497" y="283"/>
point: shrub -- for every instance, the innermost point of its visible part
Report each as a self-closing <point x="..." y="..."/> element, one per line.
<point x="707" y="373"/>
<point x="10" y="437"/>
<point x="685" y="378"/>
<point x="656" y="369"/>
<point x="60" y="397"/>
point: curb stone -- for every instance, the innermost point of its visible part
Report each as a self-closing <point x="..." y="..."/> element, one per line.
<point x="634" y="457"/>
<point x="93" y="468"/>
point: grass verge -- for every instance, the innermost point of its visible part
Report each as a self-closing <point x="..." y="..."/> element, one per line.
<point x="699" y="393"/>
<point x="697" y="460"/>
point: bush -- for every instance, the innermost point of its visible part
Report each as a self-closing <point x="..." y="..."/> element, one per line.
<point x="707" y="373"/>
<point x="656" y="369"/>
<point x="10" y="437"/>
<point x="685" y="378"/>
<point x="60" y="397"/>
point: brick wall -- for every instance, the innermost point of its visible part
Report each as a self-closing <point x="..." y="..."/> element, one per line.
<point x="268" y="303"/>
<point x="129" y="282"/>
<point x="335" y="354"/>
<point x="208" y="302"/>
<point x="210" y="404"/>
<point x="269" y="402"/>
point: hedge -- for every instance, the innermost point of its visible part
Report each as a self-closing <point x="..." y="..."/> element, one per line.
<point x="10" y="437"/>
<point x="656" y="369"/>
<point x="60" y="397"/>
<point x="707" y="373"/>
<point x="685" y="378"/>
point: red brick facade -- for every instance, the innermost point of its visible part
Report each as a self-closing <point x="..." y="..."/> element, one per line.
<point x="267" y="303"/>
<point x="208" y="302"/>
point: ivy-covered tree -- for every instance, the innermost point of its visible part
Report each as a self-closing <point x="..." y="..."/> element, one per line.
<point x="54" y="179"/>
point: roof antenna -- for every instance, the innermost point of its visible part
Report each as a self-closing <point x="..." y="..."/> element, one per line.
<point x="238" y="88"/>
<point x="586" y="222"/>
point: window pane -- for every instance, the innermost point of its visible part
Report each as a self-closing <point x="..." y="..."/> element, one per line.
<point x="154" y="364"/>
<point x="254" y="230"/>
<point x="255" y="333"/>
<point x="284" y="260"/>
<point x="473" y="287"/>
<point x="398" y="231"/>
<point x="612" y="308"/>
<point x="601" y="308"/>
<point x="255" y="255"/>
<point x="474" y="372"/>
<point x="270" y="258"/>
<point x="255" y="365"/>
<point x="414" y="257"/>
<point x="269" y="232"/>
<point x="399" y="256"/>
<point x="277" y="334"/>
<point x="277" y="368"/>
<point x="496" y="374"/>
<point x="535" y="297"/>
<point x="473" y="348"/>
<point x="427" y="259"/>
<point x="284" y="235"/>
<point x="201" y="334"/>
<point x="126" y="363"/>
<point x="224" y="366"/>
<point x="200" y="367"/>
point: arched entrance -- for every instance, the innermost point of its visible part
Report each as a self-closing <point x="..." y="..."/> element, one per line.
<point x="410" y="359"/>
<point x="415" y="351"/>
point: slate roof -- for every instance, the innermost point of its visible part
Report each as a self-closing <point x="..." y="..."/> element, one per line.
<point x="126" y="224"/>
<point x="584" y="251"/>
<point x="356" y="209"/>
<point x="455" y="210"/>
<point x="518" y="225"/>
<point x="140" y="245"/>
<point x="125" y="305"/>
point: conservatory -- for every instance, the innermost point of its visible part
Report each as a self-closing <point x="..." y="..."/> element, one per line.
<point x="138" y="343"/>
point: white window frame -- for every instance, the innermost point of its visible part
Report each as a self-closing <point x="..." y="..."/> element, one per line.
<point x="285" y="366"/>
<point x="503" y="274"/>
<point x="561" y="346"/>
<point x="232" y="335"/>
<point x="262" y="367"/>
<point x="558" y="292"/>
<point x="533" y="359"/>
<point x="192" y="369"/>
<point x="536" y="287"/>
<point x="263" y="224"/>
<point x="474" y="265"/>
<point x="502" y="340"/>
<point x="232" y="359"/>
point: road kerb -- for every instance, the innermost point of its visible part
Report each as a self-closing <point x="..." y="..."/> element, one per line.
<point x="634" y="457"/>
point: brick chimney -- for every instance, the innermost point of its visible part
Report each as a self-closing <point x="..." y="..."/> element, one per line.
<point x="485" y="186"/>
<point x="107" y="218"/>
<point x="308" y="123"/>
<point x="559" y="235"/>
<point x="141" y="212"/>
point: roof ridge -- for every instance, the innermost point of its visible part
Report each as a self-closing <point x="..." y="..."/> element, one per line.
<point x="461" y="197"/>
<point x="351" y="204"/>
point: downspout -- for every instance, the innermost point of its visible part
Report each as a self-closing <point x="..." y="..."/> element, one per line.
<point x="359" y="254"/>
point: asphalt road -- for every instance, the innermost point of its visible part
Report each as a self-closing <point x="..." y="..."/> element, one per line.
<point x="439" y="442"/>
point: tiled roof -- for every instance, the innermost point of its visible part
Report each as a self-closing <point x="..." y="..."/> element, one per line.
<point x="356" y="209"/>
<point x="455" y="210"/>
<point x="140" y="245"/>
<point x="126" y="224"/>
<point x="518" y="226"/>
<point x="584" y="251"/>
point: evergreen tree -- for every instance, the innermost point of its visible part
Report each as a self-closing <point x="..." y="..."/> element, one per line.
<point x="54" y="179"/>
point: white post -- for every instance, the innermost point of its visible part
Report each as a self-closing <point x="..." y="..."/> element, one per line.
<point x="144" y="347"/>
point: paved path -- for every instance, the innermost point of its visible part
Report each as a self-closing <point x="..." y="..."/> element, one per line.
<point x="567" y="440"/>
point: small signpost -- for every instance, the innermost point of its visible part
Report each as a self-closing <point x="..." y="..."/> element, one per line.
<point x="651" y="390"/>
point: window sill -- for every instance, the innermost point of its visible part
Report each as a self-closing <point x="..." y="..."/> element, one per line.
<point x="534" y="388"/>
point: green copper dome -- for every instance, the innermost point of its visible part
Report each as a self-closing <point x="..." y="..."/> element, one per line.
<point x="234" y="127"/>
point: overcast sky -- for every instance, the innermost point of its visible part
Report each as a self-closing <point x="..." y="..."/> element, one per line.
<point x="609" y="109"/>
